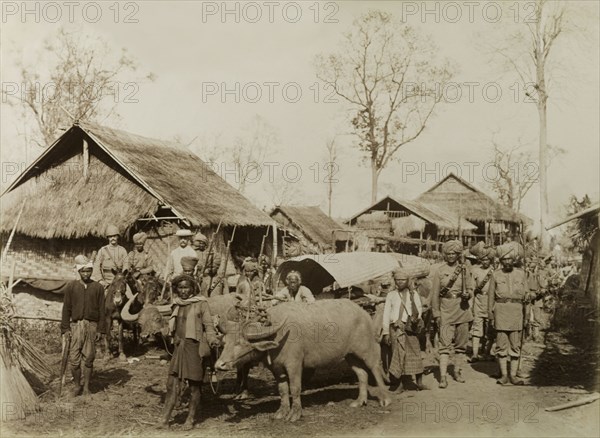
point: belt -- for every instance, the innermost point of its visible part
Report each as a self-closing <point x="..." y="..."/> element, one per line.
<point x="452" y="295"/>
<point x="509" y="300"/>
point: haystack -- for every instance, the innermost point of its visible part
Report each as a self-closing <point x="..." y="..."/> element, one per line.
<point x="17" y="358"/>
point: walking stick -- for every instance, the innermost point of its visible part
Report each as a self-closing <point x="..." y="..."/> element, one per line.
<point x="66" y="348"/>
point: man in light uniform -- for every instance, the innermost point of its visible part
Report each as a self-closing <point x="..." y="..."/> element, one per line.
<point x="139" y="260"/>
<point x="451" y="310"/>
<point x="481" y="275"/>
<point x="110" y="257"/>
<point x="507" y="291"/>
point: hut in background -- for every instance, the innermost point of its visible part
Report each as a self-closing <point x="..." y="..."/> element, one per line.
<point x="93" y="176"/>
<point x="494" y="220"/>
<point x="406" y="226"/>
<point x="307" y="230"/>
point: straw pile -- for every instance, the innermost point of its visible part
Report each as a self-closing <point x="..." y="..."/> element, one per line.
<point x="17" y="358"/>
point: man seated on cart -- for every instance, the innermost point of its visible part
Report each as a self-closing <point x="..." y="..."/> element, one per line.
<point x="294" y="291"/>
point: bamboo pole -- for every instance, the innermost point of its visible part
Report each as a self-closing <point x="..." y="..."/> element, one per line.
<point x="12" y="233"/>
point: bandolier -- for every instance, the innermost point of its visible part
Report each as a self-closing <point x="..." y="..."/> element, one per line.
<point x="450" y="305"/>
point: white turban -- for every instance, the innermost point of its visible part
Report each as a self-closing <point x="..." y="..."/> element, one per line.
<point x="82" y="262"/>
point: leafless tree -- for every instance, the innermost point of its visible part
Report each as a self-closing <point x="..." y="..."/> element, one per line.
<point x="517" y="171"/>
<point x="526" y="49"/>
<point x="331" y="165"/>
<point x="81" y="84"/>
<point x="249" y="150"/>
<point x="390" y="77"/>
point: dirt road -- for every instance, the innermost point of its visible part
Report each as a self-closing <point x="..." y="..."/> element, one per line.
<point x="128" y="396"/>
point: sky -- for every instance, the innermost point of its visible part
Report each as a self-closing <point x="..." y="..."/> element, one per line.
<point x="215" y="64"/>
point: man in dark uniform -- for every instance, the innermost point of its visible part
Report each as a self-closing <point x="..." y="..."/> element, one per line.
<point x="451" y="310"/>
<point x="506" y="295"/>
<point x="83" y="316"/>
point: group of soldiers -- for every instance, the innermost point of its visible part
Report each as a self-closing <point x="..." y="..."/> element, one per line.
<point x="191" y="257"/>
<point x="489" y="295"/>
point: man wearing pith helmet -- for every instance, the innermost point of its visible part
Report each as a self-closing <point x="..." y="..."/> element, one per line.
<point x="508" y="288"/>
<point x="110" y="258"/>
<point x="451" y="309"/>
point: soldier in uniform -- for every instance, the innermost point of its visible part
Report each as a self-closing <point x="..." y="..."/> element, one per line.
<point x="110" y="257"/>
<point x="139" y="260"/>
<point x="506" y="294"/>
<point x="481" y="275"/>
<point x="451" y="310"/>
<point x="267" y="273"/>
<point x="212" y="282"/>
<point x="199" y="243"/>
<point x="537" y="282"/>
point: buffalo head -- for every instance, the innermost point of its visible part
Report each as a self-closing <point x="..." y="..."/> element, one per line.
<point x="246" y="342"/>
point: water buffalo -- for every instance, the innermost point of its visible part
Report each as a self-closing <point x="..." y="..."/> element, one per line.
<point x="152" y="322"/>
<point x="310" y="335"/>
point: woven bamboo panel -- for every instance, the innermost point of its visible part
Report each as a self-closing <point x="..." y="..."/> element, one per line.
<point x="32" y="305"/>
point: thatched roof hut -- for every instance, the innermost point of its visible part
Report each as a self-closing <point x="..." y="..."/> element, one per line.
<point x="467" y="201"/>
<point x="310" y="227"/>
<point x="440" y="220"/>
<point x="93" y="176"/>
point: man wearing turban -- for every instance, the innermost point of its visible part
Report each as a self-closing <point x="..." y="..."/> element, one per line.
<point x="139" y="260"/>
<point x="83" y="316"/>
<point x="481" y="275"/>
<point x="401" y="327"/>
<point x="211" y="281"/>
<point x="451" y="291"/>
<point x="506" y="295"/>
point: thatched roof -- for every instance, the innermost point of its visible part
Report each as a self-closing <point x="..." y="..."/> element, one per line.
<point x="594" y="210"/>
<point x="130" y="177"/>
<point x="315" y="225"/>
<point x="462" y="198"/>
<point x="438" y="216"/>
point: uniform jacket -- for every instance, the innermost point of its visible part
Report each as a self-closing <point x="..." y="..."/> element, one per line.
<point x="451" y="310"/>
<point x="507" y="285"/>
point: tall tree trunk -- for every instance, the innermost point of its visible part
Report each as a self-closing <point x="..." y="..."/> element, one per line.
<point x="330" y="195"/>
<point x="543" y="172"/>
<point x="374" y="179"/>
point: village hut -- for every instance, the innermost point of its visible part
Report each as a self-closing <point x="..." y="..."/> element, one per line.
<point x="495" y="221"/>
<point x="93" y="176"/>
<point x="307" y="230"/>
<point x="407" y="226"/>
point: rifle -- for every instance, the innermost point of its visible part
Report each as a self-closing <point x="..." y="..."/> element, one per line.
<point x="262" y="249"/>
<point x="66" y="349"/>
<point x="524" y="305"/>
<point x="167" y="277"/>
<point x="210" y="250"/>
<point x="225" y="284"/>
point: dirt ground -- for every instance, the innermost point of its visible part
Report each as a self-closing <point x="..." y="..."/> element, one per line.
<point x="127" y="400"/>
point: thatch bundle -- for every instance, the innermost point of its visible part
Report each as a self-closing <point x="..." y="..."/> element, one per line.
<point x="17" y="358"/>
<point x="376" y="220"/>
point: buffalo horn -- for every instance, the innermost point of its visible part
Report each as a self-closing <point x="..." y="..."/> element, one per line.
<point x="125" y="314"/>
<point x="255" y="331"/>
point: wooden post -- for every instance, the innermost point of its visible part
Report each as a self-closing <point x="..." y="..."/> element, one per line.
<point x="86" y="160"/>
